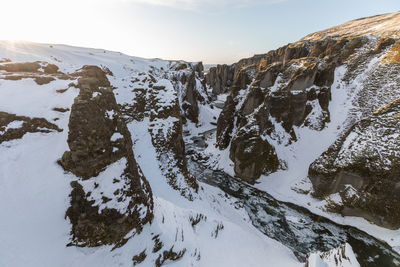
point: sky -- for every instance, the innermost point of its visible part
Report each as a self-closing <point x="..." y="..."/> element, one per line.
<point x="212" y="31"/>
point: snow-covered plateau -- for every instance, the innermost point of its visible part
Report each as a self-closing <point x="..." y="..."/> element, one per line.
<point x="289" y="158"/>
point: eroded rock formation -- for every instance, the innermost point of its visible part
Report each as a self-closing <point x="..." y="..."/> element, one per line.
<point x="98" y="136"/>
<point x="291" y="88"/>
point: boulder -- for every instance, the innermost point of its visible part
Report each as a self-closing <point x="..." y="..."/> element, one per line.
<point x="252" y="156"/>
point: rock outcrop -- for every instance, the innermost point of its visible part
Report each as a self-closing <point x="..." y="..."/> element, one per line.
<point x="252" y="155"/>
<point x="363" y="166"/>
<point x="191" y="99"/>
<point x="15" y="127"/>
<point x="98" y="137"/>
<point x="172" y="99"/>
<point x="220" y="78"/>
<point x="338" y="257"/>
<point x="166" y="132"/>
<point x="293" y="91"/>
<point x="291" y="88"/>
<point x="42" y="72"/>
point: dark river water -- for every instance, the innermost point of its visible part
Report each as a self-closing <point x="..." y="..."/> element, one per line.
<point x="292" y="225"/>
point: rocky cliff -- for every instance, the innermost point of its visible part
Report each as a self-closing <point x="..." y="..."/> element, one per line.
<point x="113" y="160"/>
<point x="272" y="98"/>
<point x="93" y="166"/>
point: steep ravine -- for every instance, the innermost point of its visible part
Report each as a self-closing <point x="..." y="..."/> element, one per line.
<point x="112" y="160"/>
<point x="292" y="225"/>
<point x="340" y="86"/>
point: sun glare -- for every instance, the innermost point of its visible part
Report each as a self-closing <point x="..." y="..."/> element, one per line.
<point x="77" y="22"/>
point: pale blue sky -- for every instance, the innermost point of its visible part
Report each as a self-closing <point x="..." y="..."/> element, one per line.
<point x="214" y="31"/>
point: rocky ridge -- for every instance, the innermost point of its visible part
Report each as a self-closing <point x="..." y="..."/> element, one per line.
<point x="274" y="96"/>
<point x="116" y="130"/>
<point x="112" y="186"/>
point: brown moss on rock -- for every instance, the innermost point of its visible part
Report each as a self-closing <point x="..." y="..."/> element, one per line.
<point x="191" y="98"/>
<point x="169" y="255"/>
<point x="137" y="259"/>
<point x="94" y="119"/>
<point x="21" y="67"/>
<point x="368" y="164"/>
<point x="382" y="45"/>
<point x="252" y="156"/>
<point x="29" y="67"/>
<point x="225" y="123"/>
<point x="165" y="129"/>
<point x="43" y="80"/>
<point x="93" y="228"/>
<point x="393" y="55"/>
<point x="29" y="125"/>
<point x="39" y="79"/>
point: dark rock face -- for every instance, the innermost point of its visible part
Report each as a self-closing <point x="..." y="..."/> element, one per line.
<point x="92" y="227"/>
<point x="94" y="119"/>
<point x="220" y="78"/>
<point x="292" y="87"/>
<point x="253" y="99"/>
<point x="170" y="147"/>
<point x="250" y="151"/>
<point x="366" y="158"/>
<point x="304" y="77"/>
<point x="191" y="98"/>
<point x="266" y="78"/>
<point x="166" y="121"/>
<point x="225" y="123"/>
<point x="252" y="156"/>
<point x="188" y="79"/>
<point x="242" y="79"/>
<point x="285" y="87"/>
<point x="199" y="68"/>
<point x="98" y="137"/>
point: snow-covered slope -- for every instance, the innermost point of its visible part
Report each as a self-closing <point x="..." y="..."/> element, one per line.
<point x="315" y="123"/>
<point x="342" y="256"/>
<point x="94" y="149"/>
<point x="193" y="223"/>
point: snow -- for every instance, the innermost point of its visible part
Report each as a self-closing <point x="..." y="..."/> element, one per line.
<point x="299" y="155"/>
<point x="116" y="136"/>
<point x="339" y="257"/>
<point x="105" y="185"/>
<point x="291" y="183"/>
<point x="385" y="25"/>
<point x="110" y="113"/>
<point x="26" y="98"/>
<point x="70" y="58"/>
<point x="14" y="125"/>
<point x="166" y="96"/>
<point x="207" y="116"/>
<point x="316" y="261"/>
<point x="34" y="193"/>
<point x="95" y="94"/>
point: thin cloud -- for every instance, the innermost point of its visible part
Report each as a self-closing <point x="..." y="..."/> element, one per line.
<point x="198" y="4"/>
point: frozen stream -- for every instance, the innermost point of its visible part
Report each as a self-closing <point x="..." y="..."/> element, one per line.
<point x="292" y="225"/>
